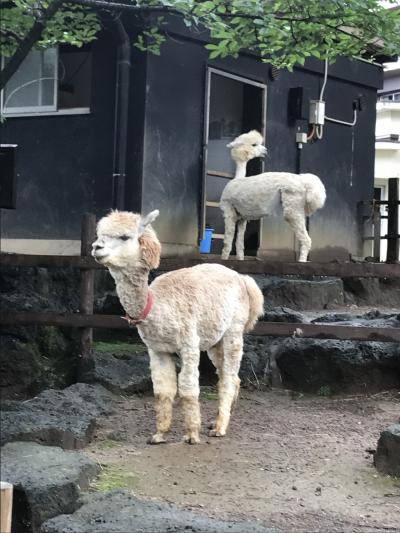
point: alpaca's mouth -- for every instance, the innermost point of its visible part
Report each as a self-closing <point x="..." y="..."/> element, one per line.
<point x="99" y="258"/>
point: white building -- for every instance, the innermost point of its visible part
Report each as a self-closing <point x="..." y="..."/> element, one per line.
<point x="387" y="145"/>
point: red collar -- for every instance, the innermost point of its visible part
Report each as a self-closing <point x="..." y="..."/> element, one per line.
<point x="134" y="321"/>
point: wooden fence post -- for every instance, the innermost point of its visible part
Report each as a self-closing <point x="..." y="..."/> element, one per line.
<point x="377" y="231"/>
<point x="393" y="221"/>
<point x="88" y="236"/>
<point x="6" y="495"/>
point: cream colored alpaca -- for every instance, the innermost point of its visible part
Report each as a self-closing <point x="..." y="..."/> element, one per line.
<point x="253" y="197"/>
<point x="206" y="307"/>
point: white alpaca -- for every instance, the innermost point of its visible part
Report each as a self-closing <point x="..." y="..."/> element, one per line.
<point x="206" y="307"/>
<point x="253" y="197"/>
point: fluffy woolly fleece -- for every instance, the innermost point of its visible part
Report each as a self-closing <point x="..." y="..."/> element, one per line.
<point x="253" y="197"/>
<point x="207" y="307"/>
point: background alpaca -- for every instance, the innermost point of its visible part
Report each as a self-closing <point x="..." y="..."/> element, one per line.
<point x="253" y="197"/>
<point x="206" y="307"/>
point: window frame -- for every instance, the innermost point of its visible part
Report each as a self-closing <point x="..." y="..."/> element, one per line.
<point x="42" y="111"/>
<point x="7" y="111"/>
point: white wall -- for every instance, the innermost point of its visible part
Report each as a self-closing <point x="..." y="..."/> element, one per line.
<point x="387" y="156"/>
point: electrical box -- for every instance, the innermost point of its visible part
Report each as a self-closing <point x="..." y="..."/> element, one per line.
<point x="301" y="137"/>
<point x="317" y="112"/>
<point x="298" y="104"/>
<point x="7" y="176"/>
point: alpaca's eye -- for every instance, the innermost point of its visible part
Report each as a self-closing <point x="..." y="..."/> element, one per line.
<point x="124" y="237"/>
<point x="254" y="144"/>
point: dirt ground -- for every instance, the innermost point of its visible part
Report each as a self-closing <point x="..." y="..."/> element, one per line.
<point x="296" y="463"/>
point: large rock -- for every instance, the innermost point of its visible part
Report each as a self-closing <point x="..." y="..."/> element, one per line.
<point x="120" y="512"/>
<point x="387" y="456"/>
<point x="372" y="319"/>
<point x="372" y="291"/>
<point x="300" y="294"/>
<point x="321" y="366"/>
<point x="47" y="482"/>
<point x="50" y="353"/>
<point x="20" y="368"/>
<point x="122" y="371"/>
<point x="282" y="314"/>
<point x="314" y="365"/>
<point x="328" y="366"/>
<point x="63" y="418"/>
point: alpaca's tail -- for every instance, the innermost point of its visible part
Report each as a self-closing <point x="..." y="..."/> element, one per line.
<point x="315" y="193"/>
<point x="256" y="301"/>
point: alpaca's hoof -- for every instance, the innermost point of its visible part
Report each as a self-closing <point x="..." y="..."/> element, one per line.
<point x="240" y="257"/>
<point x="225" y="256"/>
<point x="191" y="439"/>
<point x="215" y="433"/>
<point x="156" y="439"/>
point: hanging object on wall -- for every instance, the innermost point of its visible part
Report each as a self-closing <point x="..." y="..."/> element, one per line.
<point x="8" y="186"/>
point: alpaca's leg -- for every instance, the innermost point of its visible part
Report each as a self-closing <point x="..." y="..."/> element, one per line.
<point x="216" y="355"/>
<point x="298" y="224"/>
<point x="241" y="228"/>
<point x="189" y="390"/>
<point x="163" y="375"/>
<point x="293" y="210"/>
<point x="230" y="218"/>
<point x="229" y="383"/>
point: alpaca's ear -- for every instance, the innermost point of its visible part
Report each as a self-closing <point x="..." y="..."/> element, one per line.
<point x="235" y="142"/>
<point x="151" y="249"/>
<point x="148" y="219"/>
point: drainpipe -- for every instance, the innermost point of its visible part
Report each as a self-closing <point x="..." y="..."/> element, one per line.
<point x="121" y="112"/>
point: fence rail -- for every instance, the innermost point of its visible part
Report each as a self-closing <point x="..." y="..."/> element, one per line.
<point x="252" y="266"/>
<point x="275" y="329"/>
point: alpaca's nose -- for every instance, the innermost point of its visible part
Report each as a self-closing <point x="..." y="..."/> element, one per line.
<point x="97" y="247"/>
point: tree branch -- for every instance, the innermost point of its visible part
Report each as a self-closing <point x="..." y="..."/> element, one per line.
<point x="120" y="6"/>
<point x="32" y="37"/>
<point x="11" y="33"/>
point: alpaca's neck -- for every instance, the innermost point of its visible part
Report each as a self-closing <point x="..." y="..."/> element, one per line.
<point x="132" y="289"/>
<point x="240" y="169"/>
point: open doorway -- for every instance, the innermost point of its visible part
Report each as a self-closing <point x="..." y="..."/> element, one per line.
<point x="234" y="105"/>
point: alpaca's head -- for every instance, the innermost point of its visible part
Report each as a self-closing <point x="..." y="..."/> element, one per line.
<point x="126" y="240"/>
<point x="247" y="146"/>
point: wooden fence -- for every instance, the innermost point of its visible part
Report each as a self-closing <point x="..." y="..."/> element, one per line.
<point x="85" y="320"/>
<point x="392" y="217"/>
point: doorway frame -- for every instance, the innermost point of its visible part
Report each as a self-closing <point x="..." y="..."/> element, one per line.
<point x="263" y="86"/>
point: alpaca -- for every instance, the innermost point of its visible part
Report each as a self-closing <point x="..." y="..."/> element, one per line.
<point x="253" y="197"/>
<point x="207" y="307"/>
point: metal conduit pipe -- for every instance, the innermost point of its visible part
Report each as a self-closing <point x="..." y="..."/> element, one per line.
<point x="121" y="112"/>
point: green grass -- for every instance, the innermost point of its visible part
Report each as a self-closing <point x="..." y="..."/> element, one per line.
<point x="325" y="391"/>
<point x="382" y="481"/>
<point x="108" y="444"/>
<point x="119" y="349"/>
<point x="208" y="393"/>
<point x="114" y="477"/>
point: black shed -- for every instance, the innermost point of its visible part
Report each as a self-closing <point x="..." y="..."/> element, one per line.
<point x="182" y="111"/>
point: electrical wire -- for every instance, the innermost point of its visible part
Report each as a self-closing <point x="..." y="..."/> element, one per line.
<point x="318" y="129"/>
<point x="321" y="95"/>
<point x="337" y="121"/>
<point x="312" y="133"/>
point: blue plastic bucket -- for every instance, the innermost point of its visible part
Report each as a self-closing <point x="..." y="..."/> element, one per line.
<point x="205" y="243"/>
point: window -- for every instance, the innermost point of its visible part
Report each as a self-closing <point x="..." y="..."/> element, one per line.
<point x="50" y="81"/>
<point x="33" y="86"/>
<point x="393" y="97"/>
